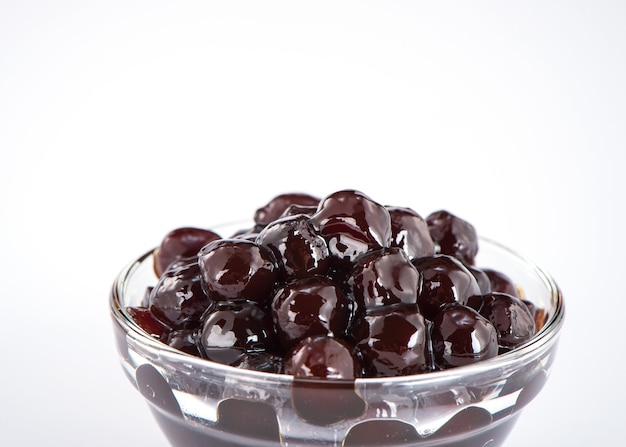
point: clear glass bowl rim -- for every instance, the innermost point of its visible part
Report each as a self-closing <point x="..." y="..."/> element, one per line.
<point x="543" y="338"/>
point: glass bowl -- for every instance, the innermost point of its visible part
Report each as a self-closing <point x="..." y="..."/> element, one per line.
<point x="201" y="403"/>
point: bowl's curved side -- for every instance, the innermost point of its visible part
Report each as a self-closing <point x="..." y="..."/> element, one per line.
<point x="198" y="402"/>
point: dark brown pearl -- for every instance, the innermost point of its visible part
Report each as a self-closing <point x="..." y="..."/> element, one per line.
<point x="394" y="342"/>
<point x="409" y="231"/>
<point x="279" y="204"/>
<point x="461" y="336"/>
<point x="499" y="282"/>
<point x="352" y="225"/>
<point x="181" y="243"/>
<point x="178" y="299"/>
<point x="298" y="249"/>
<point x="324" y="369"/>
<point x="184" y="340"/>
<point x="234" y="330"/>
<point x="445" y="281"/>
<point x="453" y="235"/>
<point x="323" y="357"/>
<point x="237" y="269"/>
<point x="309" y="307"/>
<point x="510" y="316"/>
<point x="383" y="278"/>
<point x="148" y="322"/>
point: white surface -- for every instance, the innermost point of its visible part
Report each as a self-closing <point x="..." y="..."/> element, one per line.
<point x="122" y="120"/>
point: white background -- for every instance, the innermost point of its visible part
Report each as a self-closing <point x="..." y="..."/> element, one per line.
<point x="121" y="120"/>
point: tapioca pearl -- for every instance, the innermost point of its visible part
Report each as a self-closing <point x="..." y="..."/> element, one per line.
<point x="381" y="432"/>
<point x="383" y="278"/>
<point x="181" y="243"/>
<point x="445" y="280"/>
<point x="248" y="419"/>
<point x="461" y="336"/>
<point x="514" y="323"/>
<point x="278" y="205"/>
<point x="153" y="386"/>
<point x="326" y="402"/>
<point x="453" y="236"/>
<point x="409" y="231"/>
<point x="393" y="342"/>
<point x="234" y="330"/>
<point x="466" y="421"/>
<point x="500" y="282"/>
<point x="237" y="269"/>
<point x="178" y="299"/>
<point x="352" y="224"/>
<point x="309" y="307"/>
<point x="299" y="251"/>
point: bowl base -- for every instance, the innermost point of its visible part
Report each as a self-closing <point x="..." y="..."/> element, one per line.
<point x="182" y="433"/>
